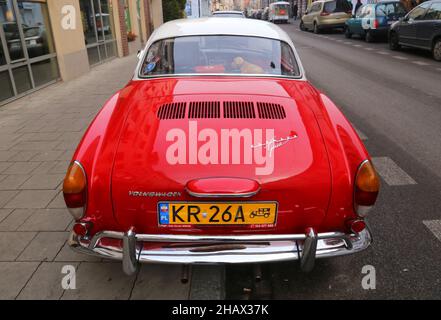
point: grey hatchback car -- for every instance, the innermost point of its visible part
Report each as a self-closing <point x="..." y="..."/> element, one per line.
<point x="420" y="28"/>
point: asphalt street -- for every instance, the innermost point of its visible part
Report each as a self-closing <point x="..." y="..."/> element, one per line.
<point x="393" y="98"/>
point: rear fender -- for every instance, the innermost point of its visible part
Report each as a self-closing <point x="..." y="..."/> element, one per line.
<point x="346" y="152"/>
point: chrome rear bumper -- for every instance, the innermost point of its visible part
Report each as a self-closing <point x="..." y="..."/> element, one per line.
<point x="134" y="248"/>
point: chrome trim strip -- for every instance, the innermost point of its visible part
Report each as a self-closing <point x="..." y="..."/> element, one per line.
<point x="222" y="195"/>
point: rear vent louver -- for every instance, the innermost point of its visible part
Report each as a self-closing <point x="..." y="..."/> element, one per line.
<point x="201" y="110"/>
<point x="212" y="110"/>
<point x="172" y="111"/>
<point x="270" y="111"/>
<point x="239" y="110"/>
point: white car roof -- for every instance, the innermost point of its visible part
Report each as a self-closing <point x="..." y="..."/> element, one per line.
<point x="215" y="26"/>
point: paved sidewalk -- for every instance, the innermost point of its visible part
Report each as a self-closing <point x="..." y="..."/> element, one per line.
<point x="38" y="135"/>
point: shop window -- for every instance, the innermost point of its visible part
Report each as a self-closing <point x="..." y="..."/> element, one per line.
<point x="44" y="71"/>
<point x="6" y="90"/>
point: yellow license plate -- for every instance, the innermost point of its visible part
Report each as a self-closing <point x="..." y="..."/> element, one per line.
<point x="217" y="213"/>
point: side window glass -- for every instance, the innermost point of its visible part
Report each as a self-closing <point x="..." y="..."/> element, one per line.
<point x="418" y="12"/>
<point x="434" y="12"/>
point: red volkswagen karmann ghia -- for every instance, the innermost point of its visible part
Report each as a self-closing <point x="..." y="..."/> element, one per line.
<point x="220" y="151"/>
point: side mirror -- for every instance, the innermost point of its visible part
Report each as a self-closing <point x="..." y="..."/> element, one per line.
<point x="140" y="54"/>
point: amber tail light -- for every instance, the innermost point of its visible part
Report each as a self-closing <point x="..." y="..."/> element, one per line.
<point x="75" y="190"/>
<point x="366" y="188"/>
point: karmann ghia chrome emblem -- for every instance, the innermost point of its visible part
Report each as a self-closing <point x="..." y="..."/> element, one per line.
<point x="154" y="194"/>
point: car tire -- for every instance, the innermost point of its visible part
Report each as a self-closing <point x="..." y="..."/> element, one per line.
<point x="348" y="34"/>
<point x="316" y="28"/>
<point x="436" y="50"/>
<point x="302" y="26"/>
<point x="369" y="37"/>
<point x="394" y="41"/>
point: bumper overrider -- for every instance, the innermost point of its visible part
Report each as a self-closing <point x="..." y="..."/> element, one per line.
<point x="134" y="248"/>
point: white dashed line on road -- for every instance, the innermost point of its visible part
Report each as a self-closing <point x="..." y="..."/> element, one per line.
<point x="383" y="52"/>
<point x="347" y="42"/>
<point x="370" y="49"/>
<point x="421" y="63"/>
<point x="399" y="57"/>
<point x="357" y="45"/>
<point x="434" y="226"/>
<point x="439" y="69"/>
<point x="391" y="172"/>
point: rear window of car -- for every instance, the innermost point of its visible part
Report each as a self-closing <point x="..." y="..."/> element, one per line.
<point x="229" y="15"/>
<point x="337" y="6"/>
<point x="390" y="10"/>
<point x="220" y="55"/>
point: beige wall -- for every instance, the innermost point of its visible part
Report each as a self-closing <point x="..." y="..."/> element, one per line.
<point x="157" y="16"/>
<point x="134" y="46"/>
<point x="69" y="44"/>
<point x="115" y="12"/>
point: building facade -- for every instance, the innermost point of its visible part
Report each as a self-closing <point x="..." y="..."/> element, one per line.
<point x="42" y="41"/>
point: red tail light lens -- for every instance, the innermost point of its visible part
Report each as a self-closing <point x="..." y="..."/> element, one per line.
<point x="366" y="188"/>
<point x="75" y="190"/>
<point x="324" y="14"/>
<point x="376" y="24"/>
<point x="357" y="226"/>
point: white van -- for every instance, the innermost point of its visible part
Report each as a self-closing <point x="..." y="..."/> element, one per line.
<point x="279" y="12"/>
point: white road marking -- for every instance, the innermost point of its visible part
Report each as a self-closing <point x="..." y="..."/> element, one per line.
<point x="399" y="57"/>
<point x="439" y="69"/>
<point x="421" y="63"/>
<point x="434" y="226"/>
<point x="347" y="42"/>
<point x="391" y="172"/>
<point x="357" y="45"/>
<point x="382" y="52"/>
<point x="370" y="49"/>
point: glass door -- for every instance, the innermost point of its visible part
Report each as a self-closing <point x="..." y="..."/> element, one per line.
<point x="27" y="54"/>
<point x="99" y="31"/>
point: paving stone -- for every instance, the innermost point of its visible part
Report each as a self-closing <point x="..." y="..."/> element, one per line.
<point x="4" y="213"/>
<point x="24" y="167"/>
<point x="47" y="220"/>
<point x="101" y="281"/>
<point x="4" y="166"/>
<point x="43" y="181"/>
<point x="13" y="181"/>
<point x="5" y="196"/>
<point x="160" y="282"/>
<point x="40" y="136"/>
<point x="13" y="277"/>
<point x="15" y="219"/>
<point x="45" y="283"/>
<point x="23" y="156"/>
<point x="44" y="247"/>
<point x="60" y="167"/>
<point x="58" y="201"/>
<point x="51" y="155"/>
<point x="44" y="167"/>
<point x="32" y="199"/>
<point x="36" y="145"/>
<point x="5" y="155"/>
<point x="20" y="240"/>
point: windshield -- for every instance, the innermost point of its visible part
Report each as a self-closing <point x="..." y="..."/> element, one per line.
<point x="220" y="55"/>
<point x="390" y="10"/>
<point x="228" y="14"/>
<point x="337" y="6"/>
